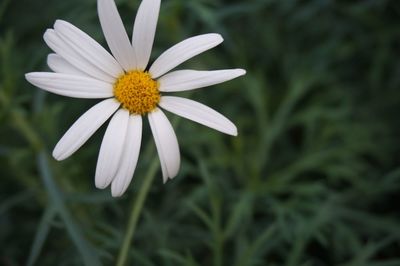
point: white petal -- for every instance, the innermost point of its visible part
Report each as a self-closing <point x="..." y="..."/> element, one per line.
<point x="199" y="113"/>
<point x="70" y="85"/>
<point x="166" y="143"/>
<point x="144" y="30"/>
<point x="58" y="45"/>
<point x="88" y="48"/>
<point x="60" y="65"/>
<point x="183" y="51"/>
<point x="111" y="149"/>
<point x="184" y="80"/>
<point x="84" y="128"/>
<point x="129" y="158"/>
<point x="115" y="34"/>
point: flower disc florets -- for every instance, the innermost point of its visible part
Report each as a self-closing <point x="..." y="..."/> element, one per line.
<point x="137" y="92"/>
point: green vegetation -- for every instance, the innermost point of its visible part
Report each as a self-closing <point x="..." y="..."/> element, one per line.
<point x="312" y="179"/>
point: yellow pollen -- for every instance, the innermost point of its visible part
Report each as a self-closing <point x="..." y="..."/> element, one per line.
<point x="137" y="92"/>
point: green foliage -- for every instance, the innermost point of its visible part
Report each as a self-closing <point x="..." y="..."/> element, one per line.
<point x="312" y="179"/>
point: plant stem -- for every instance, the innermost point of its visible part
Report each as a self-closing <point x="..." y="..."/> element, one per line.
<point x="137" y="207"/>
<point x="88" y="253"/>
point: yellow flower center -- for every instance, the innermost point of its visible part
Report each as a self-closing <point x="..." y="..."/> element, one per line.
<point x="137" y="92"/>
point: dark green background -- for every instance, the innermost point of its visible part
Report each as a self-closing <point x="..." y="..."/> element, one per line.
<point x="312" y="179"/>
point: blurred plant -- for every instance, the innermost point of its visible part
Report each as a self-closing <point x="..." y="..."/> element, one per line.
<point x="312" y="179"/>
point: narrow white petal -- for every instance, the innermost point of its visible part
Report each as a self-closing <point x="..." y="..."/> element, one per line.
<point x="129" y="158"/>
<point x="60" y="65"/>
<point x="88" y="48"/>
<point x="111" y="149"/>
<point x="166" y="143"/>
<point x="144" y="30"/>
<point x="199" y="113"/>
<point x="115" y="34"/>
<point x="71" y="54"/>
<point x="183" y="51"/>
<point x="184" y="80"/>
<point x="84" y="128"/>
<point x="71" y="85"/>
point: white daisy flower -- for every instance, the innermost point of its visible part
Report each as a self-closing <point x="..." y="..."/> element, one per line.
<point x="84" y="69"/>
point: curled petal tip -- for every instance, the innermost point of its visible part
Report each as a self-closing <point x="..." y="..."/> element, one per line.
<point x="219" y="37"/>
<point x="100" y="186"/>
<point x="57" y="157"/>
<point x="30" y="77"/>
<point x="235" y="133"/>
<point x="242" y="72"/>
<point x="116" y="194"/>
<point x="57" y="22"/>
<point x="47" y="32"/>
<point x="57" y="154"/>
<point x="27" y="76"/>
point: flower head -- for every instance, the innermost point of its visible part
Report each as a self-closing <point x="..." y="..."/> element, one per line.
<point x="84" y="69"/>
